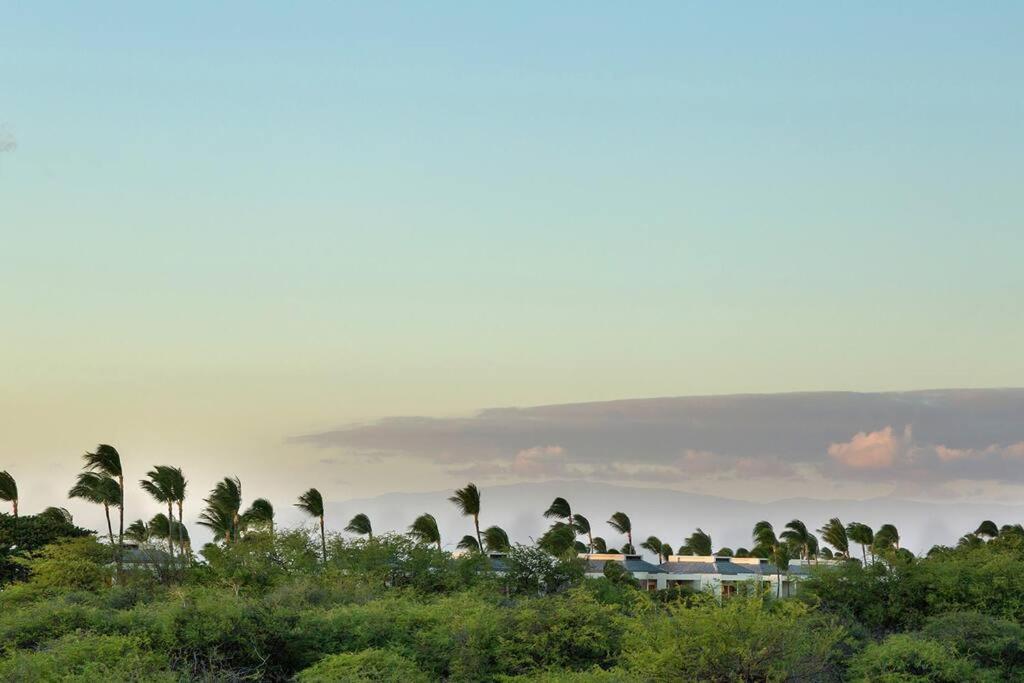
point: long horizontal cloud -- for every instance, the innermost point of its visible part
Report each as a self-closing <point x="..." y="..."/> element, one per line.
<point x="956" y="434"/>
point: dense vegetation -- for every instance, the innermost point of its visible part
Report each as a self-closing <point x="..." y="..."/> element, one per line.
<point x="264" y="603"/>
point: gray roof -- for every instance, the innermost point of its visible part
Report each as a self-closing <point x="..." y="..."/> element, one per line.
<point x="138" y="555"/>
<point x="597" y="566"/>
<point x="719" y="566"/>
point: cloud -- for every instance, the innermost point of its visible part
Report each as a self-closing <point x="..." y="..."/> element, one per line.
<point x="871" y="450"/>
<point x="948" y="435"/>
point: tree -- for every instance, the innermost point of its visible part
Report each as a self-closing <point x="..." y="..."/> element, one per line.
<point x="582" y="526"/>
<point x="620" y="522"/>
<point x="698" y="543"/>
<point x="137" y="532"/>
<point x="106" y="460"/>
<point x="986" y="529"/>
<point x="653" y="544"/>
<point x="100" y="489"/>
<point x="862" y="534"/>
<point x="598" y="545"/>
<point x="259" y="514"/>
<point x="178" y="485"/>
<point x="9" y="491"/>
<point x="797" y="534"/>
<point x="666" y="552"/>
<point x="467" y="500"/>
<point x="59" y="514"/>
<point x="312" y="503"/>
<point x="834" y="533"/>
<point x="724" y="552"/>
<point x="559" y="540"/>
<point x="160" y="486"/>
<point x="886" y="538"/>
<point x="360" y="524"/>
<point x="424" y="530"/>
<point x="468" y="543"/>
<point x="559" y="509"/>
<point x="496" y="540"/>
<point x="222" y="512"/>
<point x="742" y="552"/>
<point x="766" y="544"/>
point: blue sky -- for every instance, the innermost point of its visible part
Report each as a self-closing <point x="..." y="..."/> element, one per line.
<point x="259" y="220"/>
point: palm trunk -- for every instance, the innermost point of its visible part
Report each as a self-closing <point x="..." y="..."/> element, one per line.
<point x="181" y="530"/>
<point x="110" y="533"/>
<point x="323" y="539"/>
<point x="170" y="527"/>
<point x="476" y="525"/>
<point x="120" y="528"/>
<point x="14" y="503"/>
<point x="590" y="540"/>
<point x="629" y="537"/>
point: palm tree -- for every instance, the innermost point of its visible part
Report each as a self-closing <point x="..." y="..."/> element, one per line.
<point x="768" y="545"/>
<point x="886" y="538"/>
<point x="160" y="486"/>
<point x="987" y="529"/>
<point x="741" y="552"/>
<point x="137" y="531"/>
<point x="654" y="545"/>
<point x="496" y="540"/>
<point x="160" y="526"/>
<point x="834" y="533"/>
<point x="620" y="522"/>
<point x="360" y="524"/>
<point x="724" y="552"/>
<point x="559" y="509"/>
<point x="698" y="543"/>
<point x="221" y="514"/>
<point x="558" y="540"/>
<point x="970" y="541"/>
<point x="582" y="526"/>
<point x="260" y="513"/>
<point x="312" y="503"/>
<point x="178" y="484"/>
<point x="467" y="500"/>
<point x="101" y="489"/>
<point x="598" y="545"/>
<point x="57" y="514"/>
<point x="424" y="529"/>
<point x="9" y="491"/>
<point x="863" y="534"/>
<point x="106" y="460"/>
<point x="796" y="533"/>
<point x="468" y="543"/>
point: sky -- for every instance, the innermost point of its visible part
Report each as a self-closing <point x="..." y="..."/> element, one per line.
<point x="227" y="227"/>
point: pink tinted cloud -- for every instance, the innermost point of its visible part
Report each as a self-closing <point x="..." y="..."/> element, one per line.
<point x="872" y="450"/>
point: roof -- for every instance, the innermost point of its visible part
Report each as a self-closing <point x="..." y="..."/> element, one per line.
<point x="596" y="566"/>
<point x="717" y="565"/>
<point x="137" y="555"/>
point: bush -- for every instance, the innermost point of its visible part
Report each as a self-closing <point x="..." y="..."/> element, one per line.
<point x="988" y="641"/>
<point x="365" y="665"/>
<point x="87" y="658"/>
<point x="903" y="657"/>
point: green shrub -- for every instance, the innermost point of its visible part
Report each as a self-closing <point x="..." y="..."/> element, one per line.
<point x="903" y="657"/>
<point x="366" y="665"/>
<point x="87" y="658"/>
<point x="988" y="641"/>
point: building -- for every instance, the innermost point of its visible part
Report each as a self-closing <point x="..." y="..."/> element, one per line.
<point x="649" y="575"/>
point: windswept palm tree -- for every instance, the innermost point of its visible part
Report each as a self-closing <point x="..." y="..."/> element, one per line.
<point x="178" y="485"/>
<point x="862" y="534"/>
<point x="970" y="541"/>
<point x="222" y="513"/>
<point x="467" y="500"/>
<point x="360" y="524"/>
<point x="620" y="522"/>
<point x="582" y="526"/>
<point x="653" y="544"/>
<point x="767" y="544"/>
<point x="697" y="543"/>
<point x="312" y="503"/>
<point x="834" y="533"/>
<point x="559" y="509"/>
<point x="797" y="535"/>
<point x="468" y="543"/>
<point x="57" y="514"/>
<point x="106" y="460"/>
<point x="9" y="491"/>
<point x="598" y="545"/>
<point x="424" y="529"/>
<point x="137" y="532"/>
<point x="159" y="485"/>
<point x="986" y="529"/>
<point x="1011" y="530"/>
<point x="101" y="489"/>
<point x="558" y="540"/>
<point x="259" y="514"/>
<point x="886" y="538"/>
<point x="496" y="540"/>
